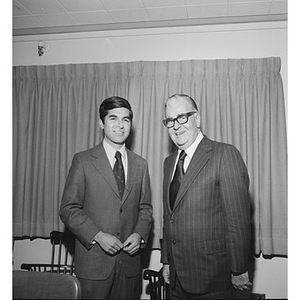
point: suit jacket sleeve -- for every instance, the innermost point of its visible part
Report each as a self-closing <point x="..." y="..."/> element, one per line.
<point x="164" y="255"/>
<point x="144" y="221"/>
<point x="71" y="211"/>
<point x="234" y="183"/>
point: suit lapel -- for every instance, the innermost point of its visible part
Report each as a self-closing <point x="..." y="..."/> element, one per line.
<point x="101" y="163"/>
<point x="170" y="165"/>
<point x="132" y="171"/>
<point x="197" y="163"/>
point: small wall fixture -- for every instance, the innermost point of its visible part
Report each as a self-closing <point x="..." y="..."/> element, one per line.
<point x="42" y="48"/>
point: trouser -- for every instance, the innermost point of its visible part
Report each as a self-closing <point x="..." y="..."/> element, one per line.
<point x="116" y="286"/>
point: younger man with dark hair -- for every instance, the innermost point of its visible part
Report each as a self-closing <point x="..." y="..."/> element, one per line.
<point x="106" y="204"/>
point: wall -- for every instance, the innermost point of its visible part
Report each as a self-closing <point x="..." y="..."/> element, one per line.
<point x="253" y="40"/>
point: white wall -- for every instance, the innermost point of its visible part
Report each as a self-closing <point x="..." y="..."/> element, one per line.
<point x="253" y="40"/>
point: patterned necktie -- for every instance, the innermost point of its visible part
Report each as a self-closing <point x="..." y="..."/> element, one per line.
<point x="119" y="173"/>
<point x="178" y="175"/>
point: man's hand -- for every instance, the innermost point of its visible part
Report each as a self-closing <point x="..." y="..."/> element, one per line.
<point x="132" y="244"/>
<point x="241" y="282"/>
<point x="166" y="273"/>
<point x="108" y="242"/>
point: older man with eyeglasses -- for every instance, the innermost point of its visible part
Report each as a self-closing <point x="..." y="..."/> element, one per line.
<point x="206" y="231"/>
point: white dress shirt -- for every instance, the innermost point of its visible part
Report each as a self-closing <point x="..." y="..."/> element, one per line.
<point x="111" y="152"/>
<point x="189" y="153"/>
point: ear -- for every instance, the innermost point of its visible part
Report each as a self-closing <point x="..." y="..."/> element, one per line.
<point x="101" y="124"/>
<point x="198" y="120"/>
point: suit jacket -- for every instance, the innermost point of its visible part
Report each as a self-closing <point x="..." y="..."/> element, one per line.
<point x="206" y="236"/>
<point x="91" y="203"/>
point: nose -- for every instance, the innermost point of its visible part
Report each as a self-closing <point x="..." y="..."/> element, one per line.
<point x="176" y="125"/>
<point x="120" y="123"/>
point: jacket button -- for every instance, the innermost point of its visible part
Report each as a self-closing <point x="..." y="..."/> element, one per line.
<point x="173" y="241"/>
<point x="171" y="220"/>
<point x="121" y="210"/>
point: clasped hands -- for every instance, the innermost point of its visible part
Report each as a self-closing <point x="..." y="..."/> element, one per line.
<point x="110" y="244"/>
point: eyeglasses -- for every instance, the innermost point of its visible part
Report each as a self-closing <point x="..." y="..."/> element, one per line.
<point x="181" y="119"/>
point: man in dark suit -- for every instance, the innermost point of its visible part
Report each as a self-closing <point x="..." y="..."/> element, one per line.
<point x="206" y="229"/>
<point x="106" y="204"/>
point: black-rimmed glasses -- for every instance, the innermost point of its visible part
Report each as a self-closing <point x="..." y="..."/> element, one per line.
<point x="181" y="119"/>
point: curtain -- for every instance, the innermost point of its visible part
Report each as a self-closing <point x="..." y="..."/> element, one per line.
<point x="55" y="114"/>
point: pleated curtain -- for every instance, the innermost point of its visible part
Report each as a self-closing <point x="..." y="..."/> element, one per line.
<point x="55" y="115"/>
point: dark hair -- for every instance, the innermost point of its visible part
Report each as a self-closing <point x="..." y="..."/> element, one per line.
<point x="190" y="99"/>
<point x="111" y="103"/>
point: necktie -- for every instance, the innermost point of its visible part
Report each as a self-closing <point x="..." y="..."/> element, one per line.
<point x="119" y="173"/>
<point x="178" y="175"/>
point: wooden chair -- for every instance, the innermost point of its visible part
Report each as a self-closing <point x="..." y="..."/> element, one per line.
<point x="62" y="255"/>
<point x="157" y="287"/>
<point x="41" y="285"/>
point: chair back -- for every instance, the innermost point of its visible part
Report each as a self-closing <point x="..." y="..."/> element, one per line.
<point x="157" y="287"/>
<point x="43" y="285"/>
<point x="63" y="246"/>
<point x="62" y="255"/>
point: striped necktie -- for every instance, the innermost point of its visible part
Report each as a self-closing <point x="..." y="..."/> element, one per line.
<point x="178" y="175"/>
<point x="118" y="171"/>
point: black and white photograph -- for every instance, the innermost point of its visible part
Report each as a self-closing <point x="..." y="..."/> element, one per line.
<point x="150" y="149"/>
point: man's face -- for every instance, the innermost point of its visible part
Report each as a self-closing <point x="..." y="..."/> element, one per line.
<point x="116" y="126"/>
<point x="183" y="135"/>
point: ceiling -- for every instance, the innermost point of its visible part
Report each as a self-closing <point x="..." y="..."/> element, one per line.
<point x="32" y="17"/>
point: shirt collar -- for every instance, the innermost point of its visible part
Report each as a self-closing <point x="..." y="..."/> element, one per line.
<point x="110" y="152"/>
<point x="191" y="149"/>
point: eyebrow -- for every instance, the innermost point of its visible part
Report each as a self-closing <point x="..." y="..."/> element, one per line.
<point x="181" y="114"/>
<point x="116" y="116"/>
